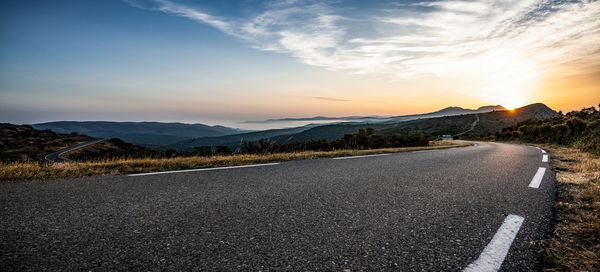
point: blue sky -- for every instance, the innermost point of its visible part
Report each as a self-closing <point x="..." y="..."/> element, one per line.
<point x="229" y="61"/>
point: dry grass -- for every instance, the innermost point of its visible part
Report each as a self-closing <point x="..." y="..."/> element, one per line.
<point x="39" y="171"/>
<point x="575" y="245"/>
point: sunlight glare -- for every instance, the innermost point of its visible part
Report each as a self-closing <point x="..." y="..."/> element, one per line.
<point x="512" y="81"/>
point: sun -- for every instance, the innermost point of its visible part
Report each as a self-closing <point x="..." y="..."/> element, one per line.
<point x="509" y="79"/>
<point x="512" y="103"/>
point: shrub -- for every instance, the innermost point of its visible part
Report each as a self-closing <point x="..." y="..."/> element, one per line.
<point x="577" y="128"/>
<point x="363" y="139"/>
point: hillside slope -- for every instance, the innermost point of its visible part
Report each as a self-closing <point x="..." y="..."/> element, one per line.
<point x="22" y="142"/>
<point x="110" y="149"/>
<point x="489" y="123"/>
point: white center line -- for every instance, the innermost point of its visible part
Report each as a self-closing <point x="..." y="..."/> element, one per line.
<point x="201" y="169"/>
<point x="545" y="158"/>
<point x="537" y="179"/>
<point x="495" y="252"/>
<point x="361" y="156"/>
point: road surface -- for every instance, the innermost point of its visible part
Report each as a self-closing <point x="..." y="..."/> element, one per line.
<point x="475" y="208"/>
<point x="54" y="157"/>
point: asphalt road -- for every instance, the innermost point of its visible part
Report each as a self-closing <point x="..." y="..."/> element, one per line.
<point x="425" y="211"/>
<point x="54" y="156"/>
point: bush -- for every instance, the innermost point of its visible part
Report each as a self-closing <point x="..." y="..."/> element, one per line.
<point x="363" y="139"/>
<point x="577" y="128"/>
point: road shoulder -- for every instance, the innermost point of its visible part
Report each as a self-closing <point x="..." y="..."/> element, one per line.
<point x="575" y="243"/>
<point x="42" y="171"/>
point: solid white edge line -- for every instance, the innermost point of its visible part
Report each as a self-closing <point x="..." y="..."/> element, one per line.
<point x="361" y="156"/>
<point x="201" y="169"/>
<point x="545" y="158"/>
<point x="495" y="252"/>
<point x="537" y="179"/>
<point x="543" y="151"/>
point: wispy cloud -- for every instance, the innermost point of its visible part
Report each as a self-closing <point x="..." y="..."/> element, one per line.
<point x="445" y="38"/>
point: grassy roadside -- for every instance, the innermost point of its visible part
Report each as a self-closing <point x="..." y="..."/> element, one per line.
<point x="575" y="243"/>
<point x="30" y="170"/>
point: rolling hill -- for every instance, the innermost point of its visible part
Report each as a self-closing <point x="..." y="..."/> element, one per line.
<point x="111" y="149"/>
<point x="143" y="133"/>
<point x="22" y="142"/>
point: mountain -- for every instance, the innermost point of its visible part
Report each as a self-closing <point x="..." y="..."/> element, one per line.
<point x="449" y="111"/>
<point x="489" y="122"/>
<point x="22" y="142"/>
<point x="143" y="133"/>
<point x="317" y="118"/>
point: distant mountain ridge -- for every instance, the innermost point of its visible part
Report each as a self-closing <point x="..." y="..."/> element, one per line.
<point x="144" y="133"/>
<point x="459" y="110"/>
<point x="443" y="112"/>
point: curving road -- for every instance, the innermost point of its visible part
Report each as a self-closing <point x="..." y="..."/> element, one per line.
<point x="466" y="208"/>
<point x="54" y="157"/>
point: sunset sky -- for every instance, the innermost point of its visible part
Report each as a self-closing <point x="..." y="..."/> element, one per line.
<point x="222" y="62"/>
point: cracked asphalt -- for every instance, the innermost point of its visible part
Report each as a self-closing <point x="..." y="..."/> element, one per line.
<point x="416" y="211"/>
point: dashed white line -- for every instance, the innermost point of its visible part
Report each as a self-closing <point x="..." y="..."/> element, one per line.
<point x="361" y="156"/>
<point x="495" y="252"/>
<point x="201" y="169"/>
<point x="545" y="158"/>
<point x="537" y="179"/>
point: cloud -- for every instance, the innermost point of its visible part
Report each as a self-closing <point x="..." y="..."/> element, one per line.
<point x="485" y="39"/>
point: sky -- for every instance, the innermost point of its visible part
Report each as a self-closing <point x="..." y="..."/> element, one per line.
<point x="225" y="62"/>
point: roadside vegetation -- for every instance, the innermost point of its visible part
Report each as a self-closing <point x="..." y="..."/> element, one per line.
<point x="363" y="139"/>
<point x="34" y="170"/>
<point x="573" y="141"/>
<point x="575" y="243"/>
